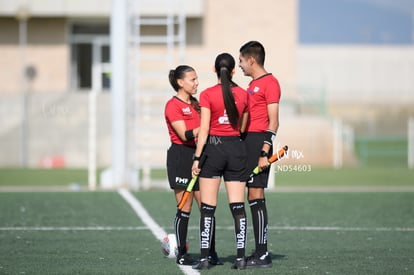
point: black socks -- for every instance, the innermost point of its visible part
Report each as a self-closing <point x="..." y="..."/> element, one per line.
<point x="240" y="227"/>
<point x="206" y="228"/>
<point x="181" y="228"/>
<point x="259" y="219"/>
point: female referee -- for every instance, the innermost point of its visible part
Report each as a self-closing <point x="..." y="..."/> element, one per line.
<point x="224" y="113"/>
<point x="182" y="115"/>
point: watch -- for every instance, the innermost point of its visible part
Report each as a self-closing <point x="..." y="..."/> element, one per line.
<point x="264" y="154"/>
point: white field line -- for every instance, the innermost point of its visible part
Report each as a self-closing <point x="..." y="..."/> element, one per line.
<point x="337" y="228"/>
<point x="278" y="189"/>
<point x="324" y="228"/>
<point x="156" y="230"/>
<point x="74" y="228"/>
<point x="230" y="228"/>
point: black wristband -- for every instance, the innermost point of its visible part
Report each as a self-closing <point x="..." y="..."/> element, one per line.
<point x="196" y="158"/>
<point x="264" y="154"/>
<point x="189" y="134"/>
<point x="269" y="136"/>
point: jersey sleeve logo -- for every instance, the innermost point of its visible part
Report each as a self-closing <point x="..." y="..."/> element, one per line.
<point x="254" y="90"/>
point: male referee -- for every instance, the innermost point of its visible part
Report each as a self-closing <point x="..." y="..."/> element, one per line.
<point x="264" y="95"/>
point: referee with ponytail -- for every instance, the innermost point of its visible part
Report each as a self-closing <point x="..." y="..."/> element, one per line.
<point x="224" y="113"/>
<point x="182" y="115"/>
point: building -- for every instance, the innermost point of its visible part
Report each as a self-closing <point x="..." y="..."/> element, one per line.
<point x="57" y="51"/>
<point x="64" y="35"/>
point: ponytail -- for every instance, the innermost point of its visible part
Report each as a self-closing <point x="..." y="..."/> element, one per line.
<point x="228" y="98"/>
<point x="224" y="65"/>
<point x="195" y="104"/>
<point x="173" y="80"/>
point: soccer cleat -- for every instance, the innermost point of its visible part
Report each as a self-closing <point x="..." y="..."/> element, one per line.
<point x="185" y="259"/>
<point x="214" y="259"/>
<point x="202" y="264"/>
<point x="240" y="263"/>
<point x="256" y="261"/>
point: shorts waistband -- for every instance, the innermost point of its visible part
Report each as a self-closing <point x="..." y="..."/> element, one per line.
<point x="220" y="139"/>
<point x="183" y="145"/>
<point x="256" y="133"/>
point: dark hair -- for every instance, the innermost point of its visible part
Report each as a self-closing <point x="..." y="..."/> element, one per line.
<point x="179" y="73"/>
<point x="224" y="65"/>
<point x="254" y="49"/>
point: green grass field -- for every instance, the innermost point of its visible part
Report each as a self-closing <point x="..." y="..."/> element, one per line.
<point x="367" y="176"/>
<point x="310" y="232"/>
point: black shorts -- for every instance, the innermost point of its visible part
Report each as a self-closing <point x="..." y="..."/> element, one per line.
<point x="179" y="163"/>
<point x="226" y="157"/>
<point x="254" y="144"/>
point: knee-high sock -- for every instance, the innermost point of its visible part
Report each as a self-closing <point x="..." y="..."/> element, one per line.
<point x="259" y="219"/>
<point x="181" y="228"/>
<point x="206" y="228"/>
<point x="240" y="227"/>
<point x="213" y="237"/>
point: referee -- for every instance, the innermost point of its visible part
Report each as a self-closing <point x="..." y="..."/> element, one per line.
<point x="264" y="95"/>
<point x="182" y="115"/>
<point x="224" y="112"/>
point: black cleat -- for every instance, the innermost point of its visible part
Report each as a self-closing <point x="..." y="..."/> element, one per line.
<point x="240" y="263"/>
<point x="203" y="264"/>
<point x="259" y="261"/>
<point x="214" y="259"/>
<point x="185" y="259"/>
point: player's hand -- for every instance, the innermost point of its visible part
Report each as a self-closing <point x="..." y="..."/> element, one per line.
<point x="195" y="170"/>
<point x="263" y="163"/>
